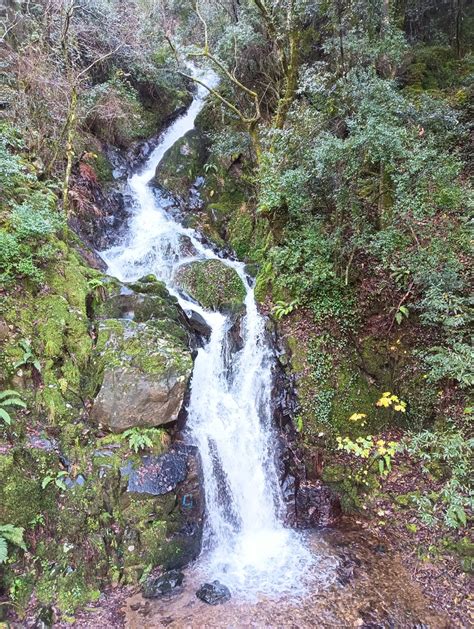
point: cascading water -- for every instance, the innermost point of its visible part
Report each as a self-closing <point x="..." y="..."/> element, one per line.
<point x="229" y="416"/>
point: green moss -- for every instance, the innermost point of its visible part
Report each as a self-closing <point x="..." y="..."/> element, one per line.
<point x="103" y="168"/>
<point x="21" y="495"/>
<point x="155" y="347"/>
<point x="182" y="163"/>
<point x="213" y="284"/>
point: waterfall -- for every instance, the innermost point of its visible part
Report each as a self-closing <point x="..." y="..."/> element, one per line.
<point x="229" y="413"/>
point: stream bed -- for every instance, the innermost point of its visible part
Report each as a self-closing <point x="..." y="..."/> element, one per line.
<point x="357" y="583"/>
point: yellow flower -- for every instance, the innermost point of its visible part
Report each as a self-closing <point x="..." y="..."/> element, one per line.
<point x="384" y="401"/>
<point x="380" y="442"/>
<point x="382" y="450"/>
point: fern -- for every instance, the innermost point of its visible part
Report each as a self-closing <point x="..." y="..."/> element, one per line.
<point x="9" y="398"/>
<point x="139" y="438"/>
<point x="282" y="308"/>
<point x="10" y="534"/>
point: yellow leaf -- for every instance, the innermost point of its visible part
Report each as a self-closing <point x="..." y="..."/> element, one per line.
<point x="356" y="416"/>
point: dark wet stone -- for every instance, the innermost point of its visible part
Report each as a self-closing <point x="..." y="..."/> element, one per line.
<point x="79" y="481"/>
<point x="49" y="445"/>
<point x="316" y="505"/>
<point x="214" y="593"/>
<point x="198" y="324"/>
<point x="347" y="566"/>
<point x="235" y="341"/>
<point x="164" y="584"/>
<point x="158" y="475"/>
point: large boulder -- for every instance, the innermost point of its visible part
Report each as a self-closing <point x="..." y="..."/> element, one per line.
<point x="142" y="358"/>
<point x="144" y="370"/>
<point x="213" y="284"/>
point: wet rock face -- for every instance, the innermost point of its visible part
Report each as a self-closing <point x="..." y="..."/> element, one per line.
<point x="316" y="506"/>
<point x="163" y="507"/>
<point x="99" y="211"/>
<point x="159" y="475"/>
<point x="164" y="584"/>
<point x="198" y="324"/>
<point x="214" y="593"/>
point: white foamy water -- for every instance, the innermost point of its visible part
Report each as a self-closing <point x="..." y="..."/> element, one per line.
<point x="245" y="544"/>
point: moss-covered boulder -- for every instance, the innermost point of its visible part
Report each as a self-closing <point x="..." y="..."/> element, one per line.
<point x="213" y="284"/>
<point x="144" y="372"/>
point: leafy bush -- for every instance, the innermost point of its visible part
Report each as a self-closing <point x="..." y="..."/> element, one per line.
<point x="450" y="454"/>
<point x="455" y="362"/>
<point x="29" y="217"/>
<point x="303" y="269"/>
<point x="142" y="438"/>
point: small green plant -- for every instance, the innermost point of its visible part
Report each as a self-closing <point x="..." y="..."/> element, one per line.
<point x="401" y="313"/>
<point x="140" y="438"/>
<point x="378" y="452"/>
<point x="210" y="168"/>
<point x="282" y="308"/>
<point x="95" y="282"/>
<point x="57" y="478"/>
<point x="10" y="534"/>
<point x="9" y="398"/>
<point x="28" y="358"/>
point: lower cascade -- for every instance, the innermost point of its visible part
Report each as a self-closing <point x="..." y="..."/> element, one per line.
<point x="245" y="546"/>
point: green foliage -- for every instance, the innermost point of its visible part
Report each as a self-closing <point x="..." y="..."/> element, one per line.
<point x="379" y="453"/>
<point x="10" y="534"/>
<point x="447" y="454"/>
<point x="454" y="362"/>
<point x="9" y="398"/>
<point x="303" y="269"/>
<point x="55" y="477"/>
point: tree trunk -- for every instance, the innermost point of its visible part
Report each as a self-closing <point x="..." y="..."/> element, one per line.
<point x="71" y="131"/>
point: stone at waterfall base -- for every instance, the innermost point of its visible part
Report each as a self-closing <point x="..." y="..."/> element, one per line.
<point x="214" y="593"/>
<point x="164" y="584"/>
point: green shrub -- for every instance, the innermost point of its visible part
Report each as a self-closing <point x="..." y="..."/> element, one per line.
<point x="447" y="454"/>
